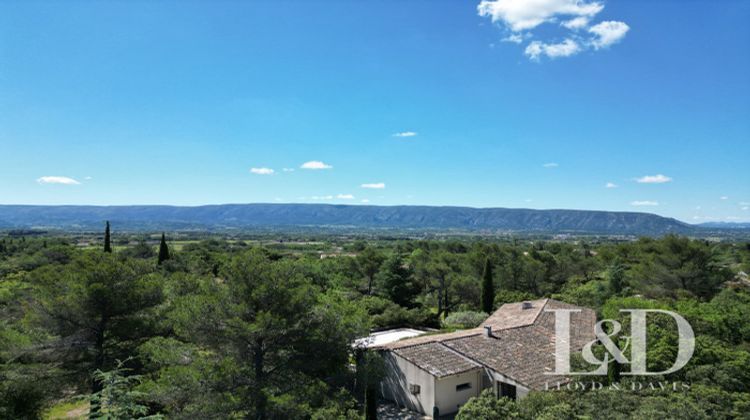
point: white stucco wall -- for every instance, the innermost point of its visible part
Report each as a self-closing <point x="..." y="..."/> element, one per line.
<point x="448" y="399"/>
<point x="395" y="386"/>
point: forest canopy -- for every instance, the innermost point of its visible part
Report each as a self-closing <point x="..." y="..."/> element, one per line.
<point x="236" y="328"/>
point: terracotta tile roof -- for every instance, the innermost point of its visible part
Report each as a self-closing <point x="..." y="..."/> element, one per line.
<point x="521" y="347"/>
<point x="512" y="315"/>
<point x="437" y="359"/>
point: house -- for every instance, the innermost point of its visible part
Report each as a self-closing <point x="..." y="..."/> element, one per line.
<point x="512" y="352"/>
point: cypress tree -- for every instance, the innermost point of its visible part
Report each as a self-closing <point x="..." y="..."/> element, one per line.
<point x="107" y="241"/>
<point x="163" y="249"/>
<point x="488" y="288"/>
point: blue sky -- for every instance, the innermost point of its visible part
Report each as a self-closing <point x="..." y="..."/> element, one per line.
<point x="177" y="102"/>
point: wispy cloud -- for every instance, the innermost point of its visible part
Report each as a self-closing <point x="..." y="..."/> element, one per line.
<point x="514" y="38"/>
<point x="653" y="179"/>
<point x="536" y="49"/>
<point x="322" y="197"/>
<point x="288" y="169"/>
<point x="262" y="171"/>
<point x="550" y="165"/>
<point x="610" y="185"/>
<point x="375" y="185"/>
<point x="406" y="134"/>
<point x="520" y="18"/>
<point x="64" y="180"/>
<point x="364" y="200"/>
<point x="315" y="165"/>
<point x="576" y="23"/>
<point x="644" y="203"/>
<point x="723" y="197"/>
<point x="345" y="197"/>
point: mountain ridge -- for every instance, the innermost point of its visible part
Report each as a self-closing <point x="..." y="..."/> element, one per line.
<point x="255" y="215"/>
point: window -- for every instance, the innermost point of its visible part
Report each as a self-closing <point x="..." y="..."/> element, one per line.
<point x="414" y="389"/>
<point x="463" y="387"/>
<point x="507" y="390"/>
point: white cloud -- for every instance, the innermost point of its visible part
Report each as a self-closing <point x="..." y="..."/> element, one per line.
<point x="723" y="197"/>
<point x="653" y="179"/>
<point x="288" y="169"/>
<point x="345" y="197"/>
<point x="64" y="180"/>
<point x="551" y="165"/>
<point x="375" y="185"/>
<point x="610" y="185"/>
<point x="579" y="22"/>
<point x="608" y="33"/>
<point x="88" y="178"/>
<point x="536" y="49"/>
<point x="521" y="15"/>
<point x="262" y="171"/>
<point x="322" y="197"/>
<point x="405" y="134"/>
<point x="644" y="203"/>
<point x="745" y="208"/>
<point x="364" y="200"/>
<point x="315" y="164"/>
<point x="574" y="33"/>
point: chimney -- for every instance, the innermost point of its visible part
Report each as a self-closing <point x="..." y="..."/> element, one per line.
<point x="526" y="305"/>
<point x="488" y="330"/>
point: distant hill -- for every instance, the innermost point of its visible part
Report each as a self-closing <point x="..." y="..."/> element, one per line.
<point x="725" y="225"/>
<point x="233" y="216"/>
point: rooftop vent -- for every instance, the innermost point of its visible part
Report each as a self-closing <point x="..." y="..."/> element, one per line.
<point x="488" y="331"/>
<point x="526" y="305"/>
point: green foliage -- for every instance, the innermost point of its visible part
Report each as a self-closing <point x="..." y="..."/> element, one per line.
<point x="395" y="282"/>
<point x="258" y="327"/>
<point x="22" y="398"/>
<point x="466" y="319"/>
<point x="488" y="407"/>
<point x="488" y="288"/>
<point x="509" y="296"/>
<point x="117" y="399"/>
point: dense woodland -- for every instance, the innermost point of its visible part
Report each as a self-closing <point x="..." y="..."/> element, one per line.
<point x="227" y="328"/>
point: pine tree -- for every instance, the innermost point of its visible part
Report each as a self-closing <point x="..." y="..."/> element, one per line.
<point x="107" y="240"/>
<point x="488" y="288"/>
<point x="163" y="250"/>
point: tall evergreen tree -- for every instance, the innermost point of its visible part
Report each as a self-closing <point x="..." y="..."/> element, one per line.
<point x="163" y="249"/>
<point x="488" y="288"/>
<point x="396" y="282"/>
<point x="107" y="240"/>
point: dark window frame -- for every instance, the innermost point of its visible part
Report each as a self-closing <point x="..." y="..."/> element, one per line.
<point x="463" y="386"/>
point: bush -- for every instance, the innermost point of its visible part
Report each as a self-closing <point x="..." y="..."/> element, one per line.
<point x="509" y="296"/>
<point x="466" y="319"/>
<point x="488" y="407"/>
